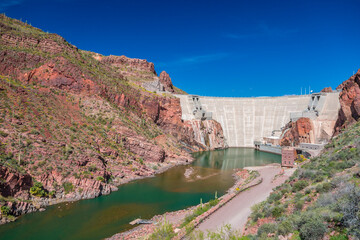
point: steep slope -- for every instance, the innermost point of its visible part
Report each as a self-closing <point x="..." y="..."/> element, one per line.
<point x="75" y="124"/>
<point x="350" y="102"/>
<point x="320" y="201"/>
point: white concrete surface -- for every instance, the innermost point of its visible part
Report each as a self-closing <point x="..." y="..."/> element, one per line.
<point x="247" y="119"/>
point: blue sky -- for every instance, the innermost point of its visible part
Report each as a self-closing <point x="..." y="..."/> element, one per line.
<point x="214" y="48"/>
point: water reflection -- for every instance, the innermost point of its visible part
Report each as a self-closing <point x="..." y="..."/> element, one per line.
<point x="172" y="190"/>
<point x="233" y="158"/>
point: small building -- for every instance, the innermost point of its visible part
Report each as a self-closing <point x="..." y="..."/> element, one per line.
<point x="288" y="156"/>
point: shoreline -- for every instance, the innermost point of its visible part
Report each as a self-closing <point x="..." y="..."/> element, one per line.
<point x="240" y="185"/>
<point x="40" y="205"/>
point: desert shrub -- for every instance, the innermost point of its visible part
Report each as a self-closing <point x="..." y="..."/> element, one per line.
<point x="322" y="188"/>
<point x="284" y="191"/>
<point x="225" y="233"/>
<point x="285" y="227"/>
<point x="319" y="188"/>
<point x="38" y="190"/>
<point x="299" y="185"/>
<point x="198" y="211"/>
<point x="52" y="194"/>
<point x="274" y="197"/>
<point x="213" y="202"/>
<point x="256" y="211"/>
<point x="68" y="187"/>
<point x="307" y="199"/>
<point x="267" y="228"/>
<point x="319" y="178"/>
<point x="313" y="229"/>
<point x="350" y="208"/>
<point x="327" y="187"/>
<point x="164" y="231"/>
<point x="277" y="212"/>
<point x="92" y="168"/>
<point x="307" y="174"/>
<point x="299" y="205"/>
<point x="267" y="209"/>
<point x="326" y="200"/>
<point x="298" y="196"/>
<point x="5" y="210"/>
<point x="339" y="237"/>
<point x="100" y="178"/>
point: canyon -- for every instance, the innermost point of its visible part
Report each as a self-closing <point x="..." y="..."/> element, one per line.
<point x="76" y="124"/>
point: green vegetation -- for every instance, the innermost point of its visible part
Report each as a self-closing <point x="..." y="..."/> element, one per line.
<point x="68" y="187"/>
<point x="163" y="232"/>
<point x="332" y="176"/>
<point x="200" y="210"/>
<point x="38" y="190"/>
<point x="224" y="233"/>
<point x="322" y="197"/>
<point x="300" y="185"/>
<point x="5" y="210"/>
<point x="100" y="178"/>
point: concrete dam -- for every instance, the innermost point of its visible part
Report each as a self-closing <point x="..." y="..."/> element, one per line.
<point x="245" y="120"/>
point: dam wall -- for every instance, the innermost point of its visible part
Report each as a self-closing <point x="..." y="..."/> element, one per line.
<point x="245" y="120"/>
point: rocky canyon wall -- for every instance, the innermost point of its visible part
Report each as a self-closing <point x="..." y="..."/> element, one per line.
<point x="349" y="101"/>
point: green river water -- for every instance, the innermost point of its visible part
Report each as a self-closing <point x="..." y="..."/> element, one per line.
<point x="106" y="215"/>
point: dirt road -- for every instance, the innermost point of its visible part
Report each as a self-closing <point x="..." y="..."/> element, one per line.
<point x="238" y="209"/>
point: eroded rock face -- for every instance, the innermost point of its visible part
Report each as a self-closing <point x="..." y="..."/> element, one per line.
<point x="166" y="81"/>
<point x="298" y="132"/>
<point x="19" y="208"/>
<point x="144" y="149"/>
<point x="14" y="184"/>
<point x="350" y="102"/>
<point x="122" y="61"/>
<point x="169" y="119"/>
<point x="106" y="128"/>
<point x="327" y="90"/>
<point x="45" y="44"/>
<point x="209" y="133"/>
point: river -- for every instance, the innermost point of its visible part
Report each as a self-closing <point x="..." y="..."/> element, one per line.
<point x="106" y="215"/>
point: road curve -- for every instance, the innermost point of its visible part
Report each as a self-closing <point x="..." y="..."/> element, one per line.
<point x="236" y="211"/>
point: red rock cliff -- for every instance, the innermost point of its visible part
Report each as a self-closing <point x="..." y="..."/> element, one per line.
<point x="166" y="81"/>
<point x="298" y="132"/>
<point x="350" y="102"/>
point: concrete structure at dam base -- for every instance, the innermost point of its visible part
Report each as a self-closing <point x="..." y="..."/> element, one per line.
<point x="249" y="120"/>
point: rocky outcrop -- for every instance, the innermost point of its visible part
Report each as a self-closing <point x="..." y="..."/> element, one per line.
<point x="143" y="149"/>
<point x="14" y="184"/>
<point x="51" y="45"/>
<point x="209" y="133"/>
<point x="82" y="123"/>
<point x="166" y="81"/>
<point x="327" y="90"/>
<point x="133" y="63"/>
<point x="301" y="131"/>
<point x="350" y="102"/>
<point x="19" y="208"/>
